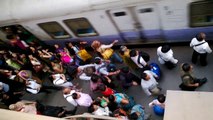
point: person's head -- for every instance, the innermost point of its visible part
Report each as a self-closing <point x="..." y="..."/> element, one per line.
<point x="95" y="44"/>
<point x="116" y="113"/>
<point x="89" y="71"/>
<point x="95" y="78"/>
<point x="161" y="98"/>
<point x="145" y="76"/>
<point x="134" y="116"/>
<point x="68" y="44"/>
<point x="122" y="50"/>
<point x="165" y="48"/>
<point x="201" y="36"/>
<point x="133" y="53"/>
<point x="66" y="90"/>
<point x="97" y="60"/>
<point x="75" y="95"/>
<point x="102" y="87"/>
<point x="125" y="69"/>
<point x="111" y="98"/>
<point x="186" y="67"/>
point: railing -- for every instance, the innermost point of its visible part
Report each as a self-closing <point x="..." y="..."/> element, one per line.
<point x="87" y="116"/>
<point x="13" y="115"/>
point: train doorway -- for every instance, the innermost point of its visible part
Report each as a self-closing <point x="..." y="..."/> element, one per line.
<point x="138" y="23"/>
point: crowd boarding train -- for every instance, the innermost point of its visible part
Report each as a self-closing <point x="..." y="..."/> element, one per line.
<point x="129" y="21"/>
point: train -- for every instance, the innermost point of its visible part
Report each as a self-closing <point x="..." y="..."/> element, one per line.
<point x="129" y="21"/>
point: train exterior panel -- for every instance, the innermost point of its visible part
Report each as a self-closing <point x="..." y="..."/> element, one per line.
<point x="129" y="21"/>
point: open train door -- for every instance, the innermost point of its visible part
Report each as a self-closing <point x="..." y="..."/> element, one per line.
<point x="125" y="24"/>
<point x="149" y="17"/>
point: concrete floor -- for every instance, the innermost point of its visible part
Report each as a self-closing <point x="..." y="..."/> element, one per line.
<point x="170" y="80"/>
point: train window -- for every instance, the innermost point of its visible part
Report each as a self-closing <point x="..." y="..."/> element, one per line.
<point x="201" y="14"/>
<point x="146" y="10"/>
<point x="118" y="14"/>
<point x="22" y="34"/>
<point x="55" y="30"/>
<point x="81" y="27"/>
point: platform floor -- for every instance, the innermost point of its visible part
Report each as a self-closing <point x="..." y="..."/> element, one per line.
<point x="170" y="80"/>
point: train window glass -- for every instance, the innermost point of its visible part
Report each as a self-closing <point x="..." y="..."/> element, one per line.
<point x="118" y="14"/>
<point x="55" y="30"/>
<point x="201" y="14"/>
<point x="21" y="34"/>
<point x="146" y="10"/>
<point x="81" y="27"/>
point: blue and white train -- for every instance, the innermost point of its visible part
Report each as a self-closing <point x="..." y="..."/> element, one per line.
<point x="129" y="21"/>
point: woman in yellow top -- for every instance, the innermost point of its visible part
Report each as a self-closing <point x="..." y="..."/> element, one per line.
<point x="106" y="51"/>
<point x="124" y="53"/>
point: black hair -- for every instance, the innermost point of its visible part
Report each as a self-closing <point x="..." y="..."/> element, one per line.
<point x="161" y="98"/>
<point x="75" y="96"/>
<point x="94" y="78"/>
<point x="97" y="60"/>
<point x="97" y="101"/>
<point x="121" y="52"/>
<point x="143" y="75"/>
<point x="134" y="116"/>
<point x="186" y="67"/>
<point x="132" y="53"/>
<point x="102" y="87"/>
<point x="165" y="48"/>
<point x="111" y="98"/>
<point x="91" y="108"/>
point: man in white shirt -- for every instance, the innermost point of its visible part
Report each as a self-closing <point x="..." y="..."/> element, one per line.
<point x="165" y="56"/>
<point x="83" y="69"/>
<point x="149" y="83"/>
<point x="60" y="80"/>
<point x="139" y="60"/>
<point x="67" y="93"/>
<point x="201" y="48"/>
<point x="101" y="68"/>
<point x="32" y="86"/>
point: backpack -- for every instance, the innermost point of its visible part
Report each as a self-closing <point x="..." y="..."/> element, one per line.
<point x="144" y="55"/>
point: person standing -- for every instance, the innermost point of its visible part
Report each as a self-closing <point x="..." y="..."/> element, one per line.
<point x="201" y="48"/>
<point x="165" y="56"/>
<point x="149" y="83"/>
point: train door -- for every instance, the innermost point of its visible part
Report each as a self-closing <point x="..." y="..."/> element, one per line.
<point x="124" y="22"/>
<point x="139" y="22"/>
<point x="148" y="16"/>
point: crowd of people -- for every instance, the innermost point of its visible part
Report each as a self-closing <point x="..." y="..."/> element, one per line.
<point x="26" y="68"/>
